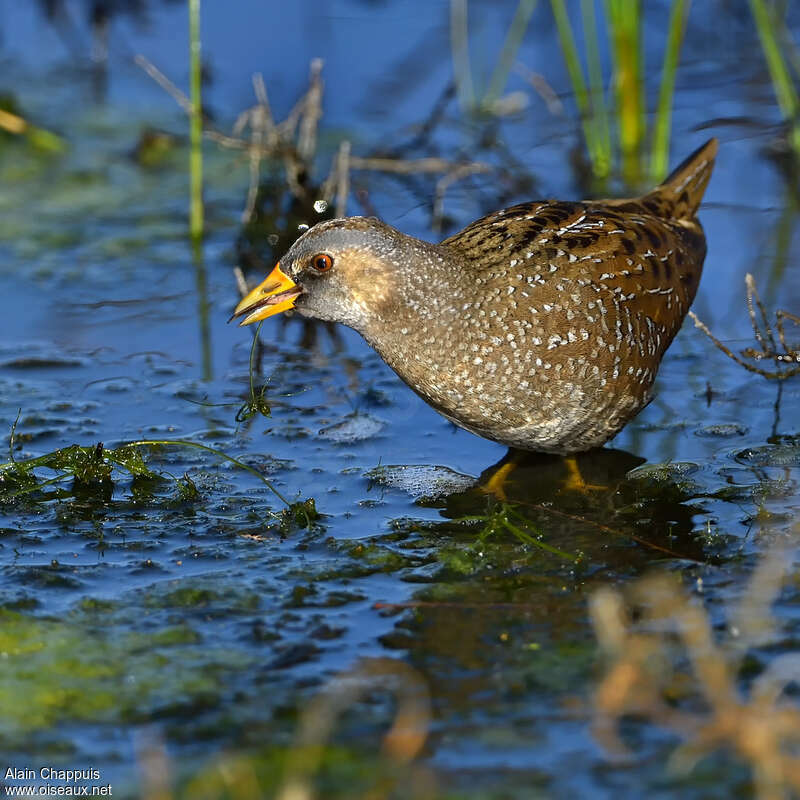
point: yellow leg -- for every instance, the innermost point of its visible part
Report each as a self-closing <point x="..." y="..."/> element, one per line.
<point x="496" y="484"/>
<point x="574" y="481"/>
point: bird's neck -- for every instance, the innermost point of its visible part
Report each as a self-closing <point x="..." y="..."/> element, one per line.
<point x="419" y="333"/>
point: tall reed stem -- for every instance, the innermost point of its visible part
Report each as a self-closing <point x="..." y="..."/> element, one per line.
<point x="505" y="61"/>
<point x="195" y="125"/>
<point x="659" y="160"/>
<point x="459" y="46"/>
<point x="598" y="95"/>
<point x="600" y="163"/>
<point x="625" y="24"/>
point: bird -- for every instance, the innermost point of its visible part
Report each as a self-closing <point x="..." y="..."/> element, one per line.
<point x="540" y="326"/>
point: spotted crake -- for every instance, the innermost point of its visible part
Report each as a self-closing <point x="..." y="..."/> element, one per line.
<point x="541" y="326"/>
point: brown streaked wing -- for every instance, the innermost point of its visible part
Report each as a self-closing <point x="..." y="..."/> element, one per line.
<point x="614" y="247"/>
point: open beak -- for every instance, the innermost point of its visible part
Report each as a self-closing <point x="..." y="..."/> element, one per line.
<point x="277" y="293"/>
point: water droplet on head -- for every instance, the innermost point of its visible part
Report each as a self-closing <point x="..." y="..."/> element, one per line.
<point x="302" y="227"/>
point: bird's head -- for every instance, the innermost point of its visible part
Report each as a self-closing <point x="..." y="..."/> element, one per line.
<point x="350" y="270"/>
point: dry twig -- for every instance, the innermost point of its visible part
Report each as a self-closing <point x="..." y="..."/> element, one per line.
<point x="762" y="330"/>
<point x="164" y="82"/>
<point x="294" y="143"/>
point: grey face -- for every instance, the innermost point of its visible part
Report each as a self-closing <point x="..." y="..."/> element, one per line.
<point x="347" y="269"/>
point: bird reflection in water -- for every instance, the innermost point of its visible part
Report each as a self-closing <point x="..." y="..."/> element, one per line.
<point x="619" y="518"/>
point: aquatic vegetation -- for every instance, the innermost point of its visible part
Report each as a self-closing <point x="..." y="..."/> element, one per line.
<point x="665" y="664"/>
<point x="300" y="514"/>
<point x="89" y="467"/>
<point x="256" y="403"/>
<point x="505" y="518"/>
<point x="779" y="352"/>
<point x="82" y="669"/>
<point x="92" y="469"/>
<point x="625" y="22"/>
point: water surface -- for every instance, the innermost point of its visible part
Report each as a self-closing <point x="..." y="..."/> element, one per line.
<point x="144" y="616"/>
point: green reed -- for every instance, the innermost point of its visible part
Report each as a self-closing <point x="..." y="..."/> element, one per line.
<point x="770" y="27"/>
<point x="485" y="101"/>
<point x="597" y="143"/>
<point x="625" y="23"/>
<point x="511" y="45"/>
<point x="195" y="125"/>
<point x="624" y="19"/>
<point x="598" y="113"/>
<point x="662" y="125"/>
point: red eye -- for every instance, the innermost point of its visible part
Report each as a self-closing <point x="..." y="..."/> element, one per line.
<point x="322" y="262"/>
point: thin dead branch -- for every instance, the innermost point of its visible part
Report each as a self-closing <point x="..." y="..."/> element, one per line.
<point x="540" y="85"/>
<point x="779" y="352"/>
<point x="164" y="82"/>
<point x="343" y="167"/>
<point x="312" y="113"/>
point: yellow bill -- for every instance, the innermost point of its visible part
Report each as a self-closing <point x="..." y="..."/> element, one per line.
<point x="277" y="293"/>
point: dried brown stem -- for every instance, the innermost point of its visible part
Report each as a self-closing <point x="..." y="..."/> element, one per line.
<point x="780" y="316"/>
<point x="164" y="82"/>
<point x="294" y="141"/>
<point x="540" y="85"/>
<point x="645" y="668"/>
<point x="413" y="166"/>
<point x="752" y="295"/>
<point x="403" y="741"/>
<point x="765" y="338"/>
<point x="241" y="283"/>
<point x="312" y="113"/>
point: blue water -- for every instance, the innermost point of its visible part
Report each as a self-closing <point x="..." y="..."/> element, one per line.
<point x="101" y="339"/>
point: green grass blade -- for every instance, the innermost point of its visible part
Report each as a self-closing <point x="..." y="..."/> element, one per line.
<point x="659" y="160"/>
<point x="781" y="79"/>
<point x="195" y="125"/>
<point x="203" y="304"/>
<point x="596" y="87"/>
<point x="519" y="24"/>
<point x="625" y="25"/>
<point x="572" y="60"/>
<point x="789" y="45"/>
<point x="459" y="48"/>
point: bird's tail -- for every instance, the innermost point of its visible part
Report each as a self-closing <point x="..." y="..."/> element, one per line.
<point x="681" y="193"/>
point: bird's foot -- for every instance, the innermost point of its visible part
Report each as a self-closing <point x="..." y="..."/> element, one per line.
<point x="497" y="483"/>
<point x="574" y="481"/>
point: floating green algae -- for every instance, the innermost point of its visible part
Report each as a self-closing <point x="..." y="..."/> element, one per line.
<point x="63" y="671"/>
